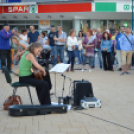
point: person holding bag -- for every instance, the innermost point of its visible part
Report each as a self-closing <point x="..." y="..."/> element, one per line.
<point x="72" y="45"/>
<point x="127" y="46"/>
<point x="88" y="53"/>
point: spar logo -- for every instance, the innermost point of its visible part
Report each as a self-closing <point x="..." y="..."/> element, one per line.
<point x="33" y="9"/>
<point x="126" y="7"/>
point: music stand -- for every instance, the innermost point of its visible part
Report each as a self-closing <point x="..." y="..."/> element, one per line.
<point x="59" y="68"/>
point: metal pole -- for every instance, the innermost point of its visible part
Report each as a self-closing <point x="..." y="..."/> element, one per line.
<point x="132" y="15"/>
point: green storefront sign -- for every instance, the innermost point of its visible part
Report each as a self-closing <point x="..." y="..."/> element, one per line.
<point x="105" y="7"/>
<point x="127" y="7"/>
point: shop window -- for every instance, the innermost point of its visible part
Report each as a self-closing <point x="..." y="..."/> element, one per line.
<point x="2" y="22"/>
<point x="32" y="22"/>
<point x="67" y="26"/>
<point x="1" y="27"/>
<point x="16" y="22"/>
<point x="113" y="25"/>
<point x="103" y="25"/>
<point x="55" y="23"/>
<point x="85" y="24"/>
<point x="44" y="25"/>
<point x="28" y="27"/>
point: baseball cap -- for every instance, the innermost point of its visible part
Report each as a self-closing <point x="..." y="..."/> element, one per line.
<point x="5" y="24"/>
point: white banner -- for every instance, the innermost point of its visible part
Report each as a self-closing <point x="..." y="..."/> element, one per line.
<point x="124" y="6"/>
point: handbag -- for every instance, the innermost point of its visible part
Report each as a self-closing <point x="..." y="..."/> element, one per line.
<point x="9" y="101"/>
<point x="84" y="52"/>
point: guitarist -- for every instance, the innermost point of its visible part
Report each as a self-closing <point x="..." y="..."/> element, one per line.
<point x="25" y="75"/>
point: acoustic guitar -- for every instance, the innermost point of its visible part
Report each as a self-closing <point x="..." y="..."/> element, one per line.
<point x="37" y="73"/>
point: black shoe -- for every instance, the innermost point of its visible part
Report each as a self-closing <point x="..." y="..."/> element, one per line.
<point x="92" y="66"/>
<point x="100" y="67"/>
<point x="120" y="69"/>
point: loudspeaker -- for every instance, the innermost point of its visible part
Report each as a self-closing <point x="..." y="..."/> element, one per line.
<point x="82" y="89"/>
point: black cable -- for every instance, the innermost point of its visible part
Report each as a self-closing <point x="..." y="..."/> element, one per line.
<point x="107" y="121"/>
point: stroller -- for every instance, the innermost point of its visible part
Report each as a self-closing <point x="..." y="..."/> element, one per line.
<point x="44" y="59"/>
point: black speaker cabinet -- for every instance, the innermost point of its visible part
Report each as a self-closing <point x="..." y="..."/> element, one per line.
<point x="82" y="89"/>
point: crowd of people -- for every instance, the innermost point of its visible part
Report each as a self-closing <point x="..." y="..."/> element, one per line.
<point x="81" y="48"/>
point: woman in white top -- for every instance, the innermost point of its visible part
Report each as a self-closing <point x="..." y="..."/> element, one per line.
<point x="43" y="38"/>
<point x="72" y="43"/>
<point x="23" y="35"/>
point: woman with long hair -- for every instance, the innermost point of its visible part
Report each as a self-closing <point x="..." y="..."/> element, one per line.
<point x="21" y="46"/>
<point x="106" y="48"/>
<point x="43" y="38"/>
<point x="23" y="35"/>
<point x="28" y="60"/>
<point x="88" y="44"/>
<point x="80" y="46"/>
<point x="71" y="43"/>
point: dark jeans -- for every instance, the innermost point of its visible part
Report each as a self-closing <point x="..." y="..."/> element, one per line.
<point x="5" y="55"/>
<point x="42" y="87"/>
<point x="133" y="59"/>
<point x="71" y="59"/>
<point x="107" y="62"/>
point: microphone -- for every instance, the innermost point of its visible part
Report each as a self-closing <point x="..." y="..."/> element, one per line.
<point x="65" y="76"/>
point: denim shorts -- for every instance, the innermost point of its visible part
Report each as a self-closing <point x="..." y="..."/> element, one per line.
<point x="90" y="60"/>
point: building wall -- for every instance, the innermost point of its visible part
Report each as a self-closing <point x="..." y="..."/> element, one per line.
<point x="4" y="1"/>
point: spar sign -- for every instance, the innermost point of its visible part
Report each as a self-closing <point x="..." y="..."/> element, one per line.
<point x="124" y="7"/>
<point x="21" y="9"/>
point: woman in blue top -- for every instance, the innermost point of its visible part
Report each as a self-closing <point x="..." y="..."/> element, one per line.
<point x="106" y="45"/>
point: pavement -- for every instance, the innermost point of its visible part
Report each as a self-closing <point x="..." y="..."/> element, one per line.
<point x="116" y="116"/>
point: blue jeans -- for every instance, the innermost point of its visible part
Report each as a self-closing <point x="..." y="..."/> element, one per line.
<point x="99" y="57"/>
<point x="80" y="56"/>
<point x="15" y="62"/>
<point x="71" y="59"/>
<point x="58" y="50"/>
<point x="90" y="60"/>
<point x="52" y="51"/>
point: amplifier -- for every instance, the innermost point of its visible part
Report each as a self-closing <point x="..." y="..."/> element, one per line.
<point x="81" y="90"/>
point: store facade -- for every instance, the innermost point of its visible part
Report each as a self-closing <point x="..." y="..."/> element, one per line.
<point x="78" y="16"/>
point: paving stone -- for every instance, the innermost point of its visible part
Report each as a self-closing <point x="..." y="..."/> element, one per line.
<point x="116" y="93"/>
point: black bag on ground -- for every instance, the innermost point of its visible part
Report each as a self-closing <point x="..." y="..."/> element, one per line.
<point x="30" y="110"/>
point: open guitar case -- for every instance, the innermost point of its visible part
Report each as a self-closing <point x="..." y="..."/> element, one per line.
<point x="30" y="110"/>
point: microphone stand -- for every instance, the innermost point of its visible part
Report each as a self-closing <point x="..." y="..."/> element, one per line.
<point x="63" y="84"/>
<point x="61" y="98"/>
<point x="70" y="84"/>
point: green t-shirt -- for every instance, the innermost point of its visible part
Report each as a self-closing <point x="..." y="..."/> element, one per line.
<point x="25" y="66"/>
